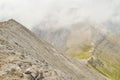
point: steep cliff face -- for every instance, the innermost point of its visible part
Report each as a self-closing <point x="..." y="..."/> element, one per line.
<point x="26" y="57"/>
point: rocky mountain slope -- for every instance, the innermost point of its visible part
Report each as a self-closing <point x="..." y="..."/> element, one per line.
<point x="23" y="56"/>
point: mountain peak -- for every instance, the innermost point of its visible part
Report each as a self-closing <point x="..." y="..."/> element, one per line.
<point x="8" y="22"/>
<point x="11" y="20"/>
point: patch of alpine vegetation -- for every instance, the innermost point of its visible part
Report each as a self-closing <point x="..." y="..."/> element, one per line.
<point x="106" y="57"/>
<point x="86" y="52"/>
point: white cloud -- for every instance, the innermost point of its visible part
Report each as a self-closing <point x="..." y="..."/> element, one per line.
<point x="93" y="10"/>
<point x="32" y="12"/>
<point x="28" y="12"/>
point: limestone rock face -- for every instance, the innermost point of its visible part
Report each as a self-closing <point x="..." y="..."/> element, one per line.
<point x="23" y="56"/>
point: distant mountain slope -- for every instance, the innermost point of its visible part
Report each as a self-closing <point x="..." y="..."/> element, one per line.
<point x="107" y="53"/>
<point x="78" y="38"/>
<point x="53" y="36"/>
<point x="15" y="38"/>
<point x="98" y="42"/>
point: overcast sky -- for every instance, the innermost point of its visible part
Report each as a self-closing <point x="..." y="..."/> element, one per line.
<point x="33" y="12"/>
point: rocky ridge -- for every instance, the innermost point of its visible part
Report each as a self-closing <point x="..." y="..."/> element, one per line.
<point x="31" y="58"/>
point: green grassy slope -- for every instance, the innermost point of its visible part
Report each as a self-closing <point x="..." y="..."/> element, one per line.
<point x="105" y="58"/>
<point x="85" y="52"/>
<point x="107" y="53"/>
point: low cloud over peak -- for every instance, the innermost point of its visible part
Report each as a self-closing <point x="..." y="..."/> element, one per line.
<point x="65" y="12"/>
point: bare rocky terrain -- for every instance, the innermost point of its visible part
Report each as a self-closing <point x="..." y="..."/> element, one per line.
<point x="24" y="56"/>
